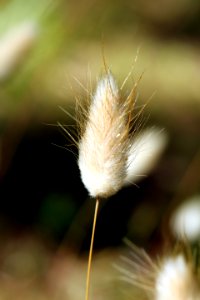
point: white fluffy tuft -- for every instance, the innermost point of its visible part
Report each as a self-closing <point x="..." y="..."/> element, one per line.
<point x="144" y="153"/>
<point x="185" y="222"/>
<point x="102" y="146"/>
<point x="175" y="281"/>
<point x="106" y="87"/>
<point x="109" y="157"/>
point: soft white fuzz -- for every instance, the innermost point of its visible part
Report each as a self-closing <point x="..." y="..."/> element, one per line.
<point x="103" y="146"/>
<point x="144" y="153"/>
<point x="13" y="46"/>
<point x="109" y="156"/>
<point x="185" y="222"/>
<point x="176" y="281"/>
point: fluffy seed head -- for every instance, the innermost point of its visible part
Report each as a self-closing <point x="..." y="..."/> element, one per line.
<point x="102" y="149"/>
<point x="170" y="277"/>
<point x="176" y="280"/>
<point x="185" y="221"/>
<point x="109" y="156"/>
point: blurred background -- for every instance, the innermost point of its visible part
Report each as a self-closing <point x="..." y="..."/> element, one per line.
<point x="51" y="54"/>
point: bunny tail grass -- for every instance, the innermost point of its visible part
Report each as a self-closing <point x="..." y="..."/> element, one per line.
<point x="105" y="141"/>
<point x="91" y="250"/>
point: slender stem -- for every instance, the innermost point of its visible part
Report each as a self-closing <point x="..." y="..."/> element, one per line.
<point x="91" y="250"/>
